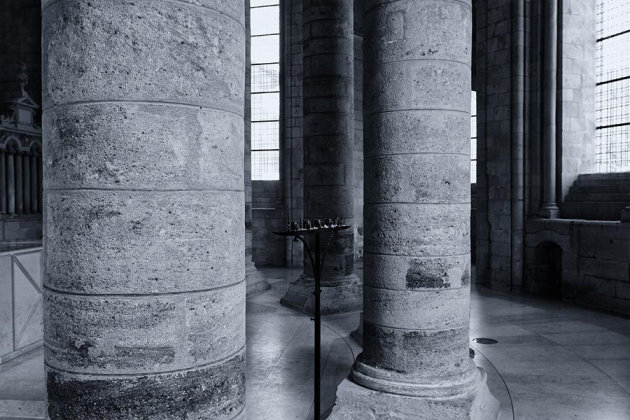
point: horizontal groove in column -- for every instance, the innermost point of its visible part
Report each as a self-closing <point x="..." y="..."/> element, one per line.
<point x="138" y="295"/>
<point x="416" y="204"/>
<point x="413" y="256"/>
<point x="139" y="102"/>
<point x="131" y="375"/>
<point x="448" y="60"/>
<point x="416" y="290"/>
<point x="241" y="24"/>
<point x="328" y="54"/>
<point x="157" y="190"/>
<point x="369" y="156"/>
<point x="413" y="329"/>
<point x="381" y="4"/>
<point x="377" y="203"/>
<point x="324" y="19"/>
<point x="389" y="111"/>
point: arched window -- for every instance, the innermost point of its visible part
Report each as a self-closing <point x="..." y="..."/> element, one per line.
<point x="613" y="86"/>
<point x="265" y="33"/>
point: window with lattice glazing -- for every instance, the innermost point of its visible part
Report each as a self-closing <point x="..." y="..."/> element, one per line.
<point x="265" y="53"/>
<point x="613" y="86"/>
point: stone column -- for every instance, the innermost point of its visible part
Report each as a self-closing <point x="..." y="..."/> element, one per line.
<point x="415" y="361"/>
<point x="549" y="207"/>
<point x="328" y="46"/>
<point x="256" y="282"/>
<point x="144" y="286"/>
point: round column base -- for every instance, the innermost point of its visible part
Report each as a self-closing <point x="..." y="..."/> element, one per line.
<point x="344" y="295"/>
<point x="358" y="402"/>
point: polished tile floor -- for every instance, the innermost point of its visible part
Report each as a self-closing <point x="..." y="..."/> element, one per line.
<point x="551" y="361"/>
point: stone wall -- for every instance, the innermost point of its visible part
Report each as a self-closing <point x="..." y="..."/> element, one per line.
<point x="595" y="262"/>
<point x="493" y="25"/>
<point x="268" y="216"/>
<point x="499" y="252"/>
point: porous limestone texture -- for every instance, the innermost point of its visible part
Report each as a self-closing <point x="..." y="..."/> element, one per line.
<point x="144" y="285"/>
<point x="415" y="361"/>
<point x="328" y="51"/>
<point x="256" y="282"/>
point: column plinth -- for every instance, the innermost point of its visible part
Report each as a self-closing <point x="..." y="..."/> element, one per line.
<point x="415" y="361"/>
<point x="328" y="85"/>
<point x="144" y="284"/>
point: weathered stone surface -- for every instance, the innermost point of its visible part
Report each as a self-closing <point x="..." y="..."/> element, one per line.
<point x="215" y="391"/>
<point x="89" y="146"/>
<point x="440" y="131"/>
<point x="153" y="53"/>
<point x="143" y="241"/>
<point x="428" y="353"/>
<point x="144" y="220"/>
<point x="429" y="230"/>
<point x="412" y="272"/>
<point x="440" y="309"/>
<point x="392" y="178"/>
<point x="417" y="219"/>
<point x="132" y="335"/>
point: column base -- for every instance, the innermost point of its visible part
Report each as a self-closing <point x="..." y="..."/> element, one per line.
<point x="345" y="296"/>
<point x="549" y="212"/>
<point x="255" y="281"/>
<point x="357" y="402"/>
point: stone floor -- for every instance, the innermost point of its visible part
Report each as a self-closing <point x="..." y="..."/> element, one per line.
<point x="552" y="360"/>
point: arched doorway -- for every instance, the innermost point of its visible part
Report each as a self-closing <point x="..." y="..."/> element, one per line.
<point x="548" y="270"/>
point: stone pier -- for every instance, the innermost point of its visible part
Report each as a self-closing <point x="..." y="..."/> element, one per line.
<point x="328" y="45"/>
<point x="415" y="361"/>
<point x="144" y="284"/>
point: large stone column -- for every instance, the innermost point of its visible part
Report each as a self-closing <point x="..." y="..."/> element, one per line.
<point x="256" y="282"/>
<point x="144" y="228"/>
<point x="328" y="46"/>
<point x="415" y="361"/>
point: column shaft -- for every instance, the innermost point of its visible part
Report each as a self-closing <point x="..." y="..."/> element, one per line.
<point x="549" y="207"/>
<point x="144" y="286"/>
<point x="328" y="85"/>
<point x="417" y="216"/>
